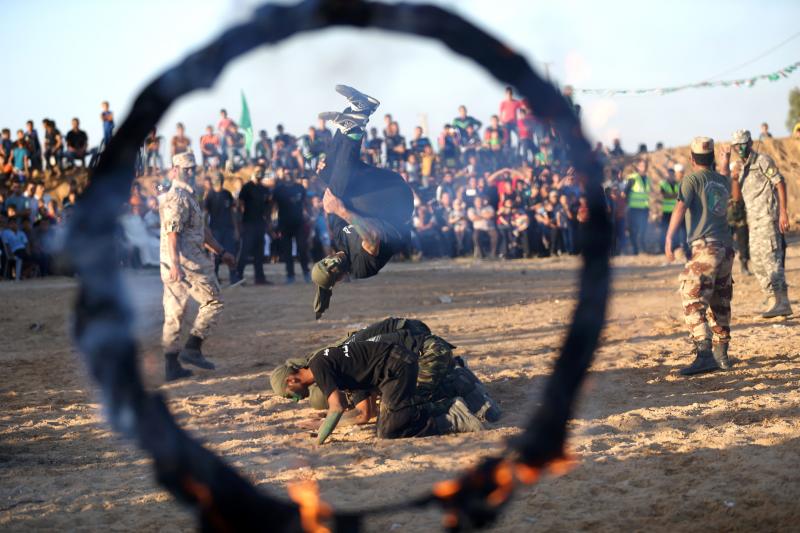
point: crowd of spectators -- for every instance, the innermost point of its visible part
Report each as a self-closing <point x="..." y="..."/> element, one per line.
<point x="500" y="189"/>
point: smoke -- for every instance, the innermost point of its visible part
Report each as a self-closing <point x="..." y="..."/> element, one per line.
<point x="145" y="292"/>
<point x="598" y="115"/>
<point x="576" y="68"/>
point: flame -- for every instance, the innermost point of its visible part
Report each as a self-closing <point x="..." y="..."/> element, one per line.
<point x="205" y="498"/>
<point x="450" y="520"/>
<point x="504" y="478"/>
<point x="446" y="489"/>
<point x="526" y="474"/>
<point x="562" y="465"/>
<point x="201" y="493"/>
<point x="312" y="509"/>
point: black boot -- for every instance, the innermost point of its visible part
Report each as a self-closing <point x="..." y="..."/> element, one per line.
<point x="720" y="351"/>
<point x="174" y="370"/>
<point x="457" y="419"/>
<point x="192" y="355"/>
<point x="704" y="362"/>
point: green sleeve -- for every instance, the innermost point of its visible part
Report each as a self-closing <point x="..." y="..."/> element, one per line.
<point x="686" y="193"/>
<point x="328" y="425"/>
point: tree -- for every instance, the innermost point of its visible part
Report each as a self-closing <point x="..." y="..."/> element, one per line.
<point x="794" y="108"/>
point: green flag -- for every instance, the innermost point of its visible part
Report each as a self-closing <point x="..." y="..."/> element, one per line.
<point x="245" y="125"/>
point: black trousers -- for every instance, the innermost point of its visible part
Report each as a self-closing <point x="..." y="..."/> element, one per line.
<point x="366" y="190"/>
<point x="399" y="417"/>
<point x="637" y="228"/>
<point x="741" y="235"/>
<point x="252" y="246"/>
<point x="300" y="236"/>
<point x="226" y="238"/>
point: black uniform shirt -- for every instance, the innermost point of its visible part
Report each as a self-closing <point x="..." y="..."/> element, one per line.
<point x="219" y="206"/>
<point x="77" y="139"/>
<point x="291" y="200"/>
<point x="254" y="198"/>
<point x="354" y="366"/>
<point x="362" y="264"/>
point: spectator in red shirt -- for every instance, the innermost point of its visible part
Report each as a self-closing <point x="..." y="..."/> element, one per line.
<point x="508" y="112"/>
<point x="223" y="126"/>
<point x="209" y="146"/>
<point x="525" y="130"/>
<point x="224" y="122"/>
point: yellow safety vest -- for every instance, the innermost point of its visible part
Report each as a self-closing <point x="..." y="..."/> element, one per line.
<point x="639" y="197"/>
<point x="670" y="193"/>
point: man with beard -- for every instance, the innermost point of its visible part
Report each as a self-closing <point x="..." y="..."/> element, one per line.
<point x="186" y="270"/>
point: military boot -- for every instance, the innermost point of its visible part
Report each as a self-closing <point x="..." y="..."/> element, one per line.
<point x="458" y="419"/>
<point x="781" y="306"/>
<point x="174" y="370"/>
<point x="475" y="395"/>
<point x="191" y="354"/>
<point x="703" y="362"/>
<point x="720" y="351"/>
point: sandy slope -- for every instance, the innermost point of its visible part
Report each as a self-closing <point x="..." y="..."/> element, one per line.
<point x="785" y="152"/>
<point x="718" y="452"/>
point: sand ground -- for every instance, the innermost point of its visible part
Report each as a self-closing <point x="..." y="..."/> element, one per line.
<point x="657" y="451"/>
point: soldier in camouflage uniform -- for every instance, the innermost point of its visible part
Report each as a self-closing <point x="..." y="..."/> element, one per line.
<point x="764" y="193"/>
<point x="186" y="270"/>
<point x="706" y="284"/>
<point x="441" y="377"/>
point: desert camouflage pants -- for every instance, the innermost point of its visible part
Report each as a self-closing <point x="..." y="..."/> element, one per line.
<point x="202" y="287"/>
<point x="766" y="254"/>
<point x="435" y="361"/>
<point x="706" y="291"/>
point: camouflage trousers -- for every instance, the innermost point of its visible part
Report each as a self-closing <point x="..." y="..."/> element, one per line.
<point x="203" y="288"/>
<point x="766" y="254"/>
<point x="706" y="288"/>
<point x="435" y="361"/>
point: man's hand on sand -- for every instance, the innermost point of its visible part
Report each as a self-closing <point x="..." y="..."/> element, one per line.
<point x="668" y="250"/>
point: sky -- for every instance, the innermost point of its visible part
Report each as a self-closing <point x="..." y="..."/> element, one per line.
<point x="73" y="55"/>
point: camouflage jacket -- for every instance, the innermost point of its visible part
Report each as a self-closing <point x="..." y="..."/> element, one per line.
<point x="181" y="214"/>
<point x="758" y="179"/>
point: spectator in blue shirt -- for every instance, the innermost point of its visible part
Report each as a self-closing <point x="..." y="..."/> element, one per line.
<point x="108" y="122"/>
<point x="20" y="155"/>
<point x="16" y="242"/>
<point x="16" y="200"/>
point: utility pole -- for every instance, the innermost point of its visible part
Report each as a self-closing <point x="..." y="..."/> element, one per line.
<point x="546" y="67"/>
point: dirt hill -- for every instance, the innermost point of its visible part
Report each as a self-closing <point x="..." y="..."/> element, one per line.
<point x="785" y="152"/>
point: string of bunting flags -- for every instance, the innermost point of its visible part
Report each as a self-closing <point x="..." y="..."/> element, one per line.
<point x="743" y="82"/>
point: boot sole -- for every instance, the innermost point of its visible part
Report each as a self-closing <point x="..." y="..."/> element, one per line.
<point x="695" y="373"/>
<point x="354" y="94"/>
<point x="187" y="374"/>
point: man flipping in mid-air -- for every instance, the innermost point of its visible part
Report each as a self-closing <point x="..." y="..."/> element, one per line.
<point x="368" y="207"/>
